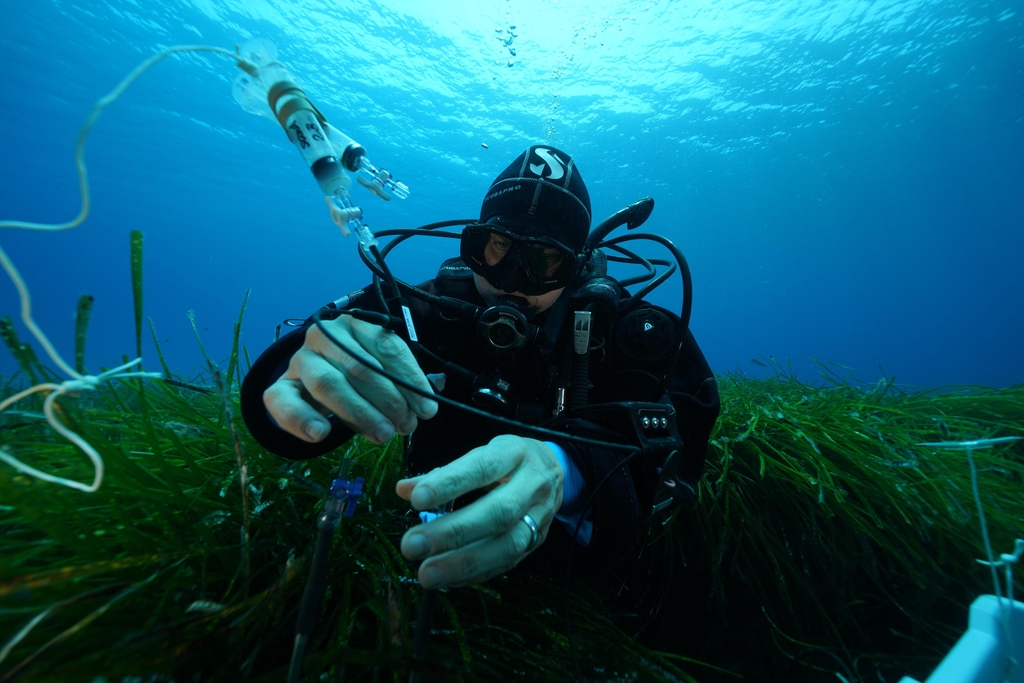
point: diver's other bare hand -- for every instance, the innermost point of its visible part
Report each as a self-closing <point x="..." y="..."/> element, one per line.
<point x="322" y="379"/>
<point x="487" y="537"/>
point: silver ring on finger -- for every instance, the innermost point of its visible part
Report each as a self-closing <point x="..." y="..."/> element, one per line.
<point x="534" y="534"/>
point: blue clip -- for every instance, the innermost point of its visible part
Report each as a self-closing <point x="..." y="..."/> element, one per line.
<point x="342" y="489"/>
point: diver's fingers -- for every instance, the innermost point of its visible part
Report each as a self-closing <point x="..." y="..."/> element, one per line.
<point x="352" y="384"/>
<point x="491" y="515"/>
<point x="314" y="387"/>
<point x="293" y="411"/>
<point x="483" y="559"/>
<point x="395" y="356"/>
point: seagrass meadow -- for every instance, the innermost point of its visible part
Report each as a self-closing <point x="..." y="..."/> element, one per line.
<point x="824" y="543"/>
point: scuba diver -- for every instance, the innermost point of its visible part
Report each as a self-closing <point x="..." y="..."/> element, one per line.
<point x="526" y="325"/>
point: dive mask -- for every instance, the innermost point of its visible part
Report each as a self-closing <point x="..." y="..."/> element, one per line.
<point x="514" y="262"/>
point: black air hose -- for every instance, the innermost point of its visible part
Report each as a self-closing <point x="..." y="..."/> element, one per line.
<point x="579" y="390"/>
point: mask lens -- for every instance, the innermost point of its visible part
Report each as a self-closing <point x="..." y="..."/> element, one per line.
<point x="496" y="249"/>
<point x="505" y="260"/>
<point x="542" y="261"/>
<point x="474" y="246"/>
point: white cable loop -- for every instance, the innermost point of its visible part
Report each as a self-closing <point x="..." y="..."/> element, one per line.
<point x="79" y="384"/>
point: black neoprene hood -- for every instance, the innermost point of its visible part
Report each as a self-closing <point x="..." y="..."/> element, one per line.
<point x="541" y="194"/>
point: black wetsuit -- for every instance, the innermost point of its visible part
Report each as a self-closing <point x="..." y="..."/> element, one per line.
<point x="619" y="508"/>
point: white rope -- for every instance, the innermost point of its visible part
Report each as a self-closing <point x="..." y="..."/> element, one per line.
<point x="80" y="382"/>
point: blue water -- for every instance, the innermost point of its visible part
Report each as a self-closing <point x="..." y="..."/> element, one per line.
<point x="845" y="178"/>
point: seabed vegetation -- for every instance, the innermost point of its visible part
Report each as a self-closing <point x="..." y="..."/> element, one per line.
<point x="825" y="543"/>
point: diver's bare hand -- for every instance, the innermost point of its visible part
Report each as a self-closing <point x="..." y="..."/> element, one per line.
<point x="488" y="537"/>
<point x="322" y="379"/>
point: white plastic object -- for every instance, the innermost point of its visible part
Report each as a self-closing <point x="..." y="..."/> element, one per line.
<point x="248" y="90"/>
<point x="303" y="123"/>
<point x="347" y="217"/>
<point x="259" y="51"/>
<point x="382" y="180"/>
<point x="250" y="93"/>
<point x="980" y="656"/>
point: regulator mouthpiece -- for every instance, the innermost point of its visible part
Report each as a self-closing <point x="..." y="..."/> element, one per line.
<point x="506" y="325"/>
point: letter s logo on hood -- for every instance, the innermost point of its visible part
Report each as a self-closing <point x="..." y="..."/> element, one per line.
<point x="553" y="163"/>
